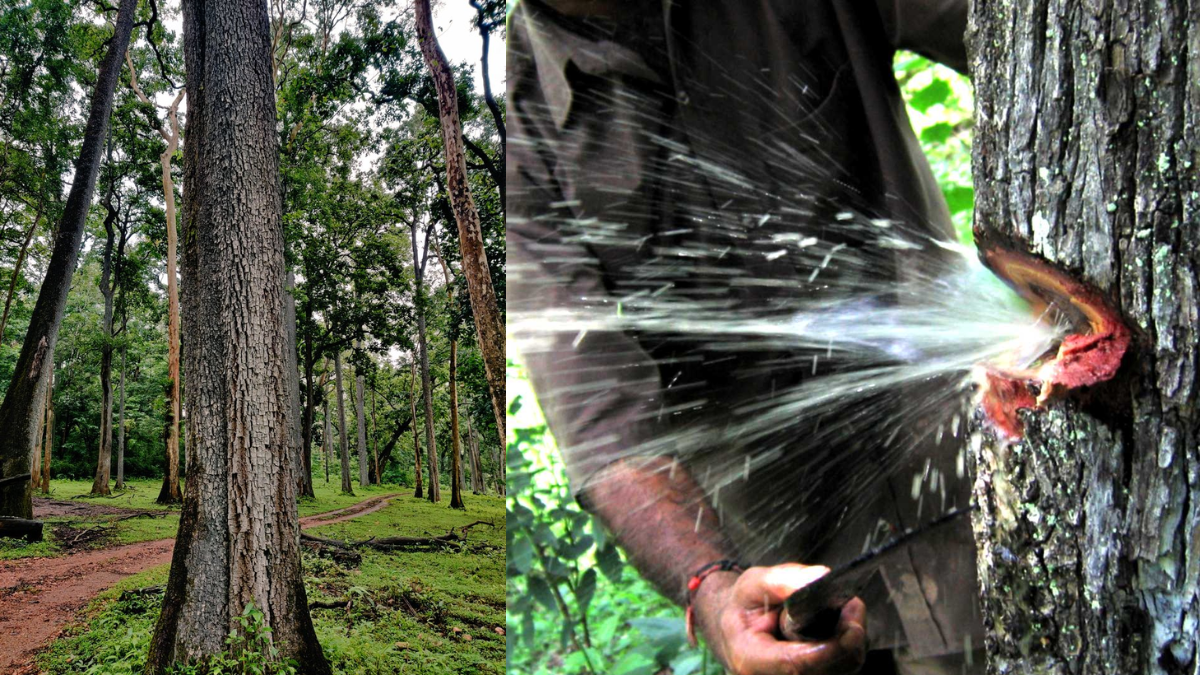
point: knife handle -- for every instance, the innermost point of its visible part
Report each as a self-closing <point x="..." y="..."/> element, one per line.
<point x="818" y="627"/>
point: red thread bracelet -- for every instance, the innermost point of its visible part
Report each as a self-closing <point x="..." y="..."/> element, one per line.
<point x="693" y="585"/>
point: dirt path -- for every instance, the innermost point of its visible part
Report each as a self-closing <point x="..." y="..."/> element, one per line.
<point x="39" y="596"/>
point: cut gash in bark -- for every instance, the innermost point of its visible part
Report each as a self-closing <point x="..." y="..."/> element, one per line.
<point x="1095" y="340"/>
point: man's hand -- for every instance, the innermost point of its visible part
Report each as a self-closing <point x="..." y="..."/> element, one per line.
<point x="739" y="616"/>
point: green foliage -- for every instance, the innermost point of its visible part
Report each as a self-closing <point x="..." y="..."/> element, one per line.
<point x="572" y="600"/>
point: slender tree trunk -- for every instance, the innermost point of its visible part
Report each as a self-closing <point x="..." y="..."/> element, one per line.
<point x="456" y="499"/>
<point x="19" y="265"/>
<point x="239" y="538"/>
<point x="121" y="426"/>
<point x="412" y="402"/>
<point x="170" y="493"/>
<point x="435" y="492"/>
<point x="364" y="461"/>
<point x="310" y="404"/>
<point x="1088" y="120"/>
<point x="302" y="470"/>
<point x="327" y="437"/>
<point x="376" y="479"/>
<point x="488" y="323"/>
<point x="485" y="32"/>
<point x="344" y="446"/>
<point x="48" y="442"/>
<point x="498" y="476"/>
<point x="477" y="485"/>
<point x="104" y="460"/>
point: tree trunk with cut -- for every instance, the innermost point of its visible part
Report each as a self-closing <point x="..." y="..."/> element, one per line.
<point x="1087" y="124"/>
<point x="488" y="324"/>
<point x="239" y="533"/>
<point x="344" y="445"/>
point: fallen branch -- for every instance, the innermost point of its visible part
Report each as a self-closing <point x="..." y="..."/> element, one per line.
<point x="30" y="530"/>
<point x="15" y="479"/>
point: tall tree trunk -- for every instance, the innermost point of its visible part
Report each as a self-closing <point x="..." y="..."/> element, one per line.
<point x="412" y="402"/>
<point x="169" y="493"/>
<point x="104" y="459"/>
<point x="344" y="446"/>
<point x="485" y="32"/>
<point x="376" y="479"/>
<point x="364" y="461"/>
<point x="1088" y="120"/>
<point x="48" y="442"/>
<point x="310" y="404"/>
<point x="456" y="499"/>
<point x="239" y="538"/>
<point x="498" y="474"/>
<point x="435" y="492"/>
<point x="19" y="265"/>
<point x="121" y="426"/>
<point x="301" y="453"/>
<point x="327" y="437"/>
<point x="477" y="486"/>
<point x="488" y="324"/>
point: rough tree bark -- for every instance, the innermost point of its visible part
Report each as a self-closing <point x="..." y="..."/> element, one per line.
<point x="169" y="494"/>
<point x="488" y="324"/>
<point x="21" y="412"/>
<point x="1087" y="130"/>
<point x="374" y="476"/>
<point x="48" y="443"/>
<point x="326" y="437"/>
<point x="310" y="405"/>
<point x="419" y="261"/>
<point x="344" y="446"/>
<point x="239" y="533"/>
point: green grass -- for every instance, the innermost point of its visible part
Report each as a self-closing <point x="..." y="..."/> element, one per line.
<point x="406" y="606"/>
<point x="330" y="497"/>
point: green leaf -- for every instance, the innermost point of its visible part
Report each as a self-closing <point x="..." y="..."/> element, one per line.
<point x="933" y="93"/>
<point x="610" y="563"/>
<point x="633" y="663"/>
<point x="520" y="557"/>
<point x="540" y="590"/>
<point x="585" y="591"/>
<point x="687" y="663"/>
<point x="937" y="133"/>
<point x="959" y="198"/>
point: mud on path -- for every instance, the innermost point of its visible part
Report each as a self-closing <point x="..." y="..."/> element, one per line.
<point x="39" y="596"/>
<point x="49" y="508"/>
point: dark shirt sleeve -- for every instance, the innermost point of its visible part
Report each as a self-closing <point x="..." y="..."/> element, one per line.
<point x="933" y="28"/>
<point x="598" y="389"/>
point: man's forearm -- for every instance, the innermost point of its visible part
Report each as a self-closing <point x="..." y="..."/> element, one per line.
<point x="662" y="519"/>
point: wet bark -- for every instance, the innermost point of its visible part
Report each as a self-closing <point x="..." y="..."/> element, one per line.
<point x="488" y="324"/>
<point x="1087" y="124"/>
<point x="239" y="535"/>
<point x="21" y="411"/>
<point x="344" y="446"/>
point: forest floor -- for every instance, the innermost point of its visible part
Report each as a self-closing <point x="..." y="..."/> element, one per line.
<point x="41" y="598"/>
